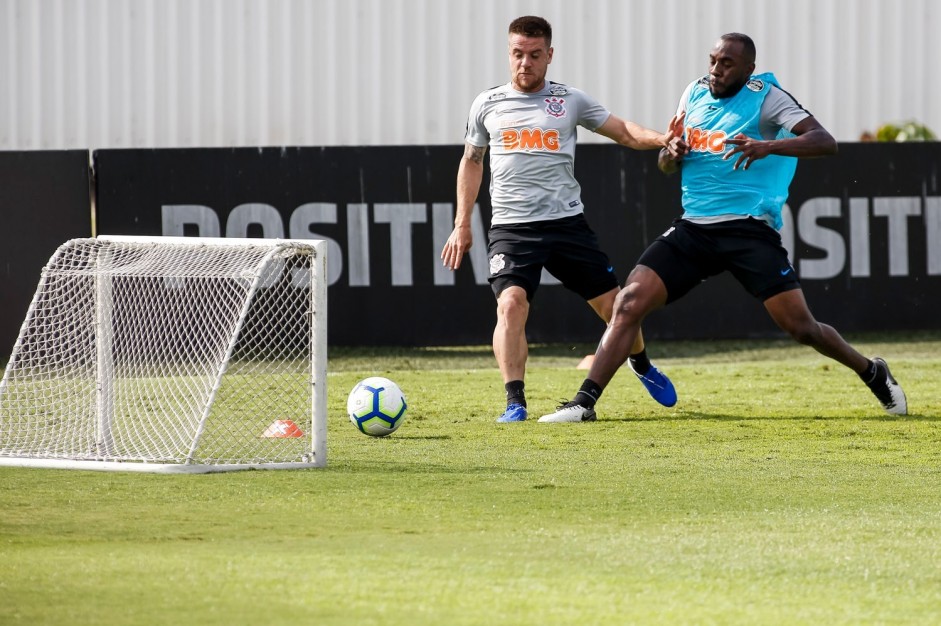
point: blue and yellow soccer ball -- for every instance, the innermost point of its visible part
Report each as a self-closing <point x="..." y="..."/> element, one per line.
<point x="376" y="406"/>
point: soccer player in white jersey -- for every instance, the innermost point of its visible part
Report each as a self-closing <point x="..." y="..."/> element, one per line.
<point x="537" y="222"/>
<point x="743" y="135"/>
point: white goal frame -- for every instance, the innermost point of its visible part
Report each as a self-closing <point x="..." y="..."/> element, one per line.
<point x="311" y="450"/>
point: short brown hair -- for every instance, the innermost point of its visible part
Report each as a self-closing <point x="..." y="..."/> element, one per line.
<point x="532" y="26"/>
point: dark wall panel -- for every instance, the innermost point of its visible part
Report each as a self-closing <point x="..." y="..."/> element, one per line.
<point x="44" y="200"/>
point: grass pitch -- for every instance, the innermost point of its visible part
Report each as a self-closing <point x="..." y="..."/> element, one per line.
<point x="776" y="491"/>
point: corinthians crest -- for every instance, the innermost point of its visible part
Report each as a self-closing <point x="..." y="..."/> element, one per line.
<point x="496" y="263"/>
<point x="555" y="107"/>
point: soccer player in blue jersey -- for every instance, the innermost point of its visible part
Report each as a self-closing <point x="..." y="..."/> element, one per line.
<point x="530" y="125"/>
<point x="742" y="138"/>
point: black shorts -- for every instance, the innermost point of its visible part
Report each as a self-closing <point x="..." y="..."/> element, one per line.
<point x="566" y="247"/>
<point x="687" y="254"/>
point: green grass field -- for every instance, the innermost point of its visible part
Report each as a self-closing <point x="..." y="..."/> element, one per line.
<point x="775" y="492"/>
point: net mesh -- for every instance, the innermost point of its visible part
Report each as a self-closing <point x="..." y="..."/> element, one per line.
<point x="165" y="353"/>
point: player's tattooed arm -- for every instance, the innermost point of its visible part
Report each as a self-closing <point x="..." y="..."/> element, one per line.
<point x="469" y="175"/>
<point x="474" y="153"/>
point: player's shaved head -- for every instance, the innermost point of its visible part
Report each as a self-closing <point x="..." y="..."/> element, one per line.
<point x="748" y="46"/>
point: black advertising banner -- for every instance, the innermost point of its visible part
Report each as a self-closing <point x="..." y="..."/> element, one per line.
<point x="864" y="229"/>
<point x="44" y="201"/>
<point x="386" y="212"/>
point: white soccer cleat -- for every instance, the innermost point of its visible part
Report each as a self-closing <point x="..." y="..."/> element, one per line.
<point x="570" y="412"/>
<point x="888" y="391"/>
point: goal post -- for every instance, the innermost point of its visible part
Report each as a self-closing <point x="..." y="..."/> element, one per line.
<point x="171" y="354"/>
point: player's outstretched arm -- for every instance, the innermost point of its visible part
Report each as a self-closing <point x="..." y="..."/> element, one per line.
<point x="812" y="140"/>
<point x="633" y="135"/>
<point x="469" y="175"/>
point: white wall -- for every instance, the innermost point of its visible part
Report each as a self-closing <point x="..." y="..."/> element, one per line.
<point x="159" y="73"/>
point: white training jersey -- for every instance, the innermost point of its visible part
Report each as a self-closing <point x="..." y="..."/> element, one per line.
<point x="531" y="138"/>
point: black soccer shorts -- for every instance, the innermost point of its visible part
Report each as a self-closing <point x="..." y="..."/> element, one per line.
<point x="566" y="247"/>
<point x="688" y="253"/>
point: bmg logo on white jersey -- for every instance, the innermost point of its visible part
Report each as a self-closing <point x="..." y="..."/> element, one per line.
<point x="530" y="139"/>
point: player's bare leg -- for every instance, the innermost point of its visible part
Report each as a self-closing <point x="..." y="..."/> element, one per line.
<point x="790" y="312"/>
<point x="644" y="293"/>
<point x="657" y="384"/>
<point x="511" y="349"/>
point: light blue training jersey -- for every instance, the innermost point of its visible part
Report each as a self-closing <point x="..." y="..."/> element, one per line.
<point x="712" y="190"/>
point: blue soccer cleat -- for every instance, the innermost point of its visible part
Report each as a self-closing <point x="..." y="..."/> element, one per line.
<point x="513" y="413"/>
<point x="658" y="385"/>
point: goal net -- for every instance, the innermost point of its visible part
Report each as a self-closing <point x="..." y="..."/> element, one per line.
<point x="171" y="354"/>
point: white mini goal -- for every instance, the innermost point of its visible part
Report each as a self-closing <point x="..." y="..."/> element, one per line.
<point x="171" y="354"/>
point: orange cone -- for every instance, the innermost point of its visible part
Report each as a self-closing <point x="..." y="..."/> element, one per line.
<point x="282" y="429"/>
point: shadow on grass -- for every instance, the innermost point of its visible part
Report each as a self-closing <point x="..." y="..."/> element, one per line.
<point x="405" y="467"/>
<point x="718" y="417"/>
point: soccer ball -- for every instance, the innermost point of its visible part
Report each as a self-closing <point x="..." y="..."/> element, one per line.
<point x="376" y="406"/>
